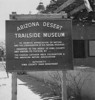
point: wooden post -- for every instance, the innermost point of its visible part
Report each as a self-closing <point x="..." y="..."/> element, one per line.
<point x="64" y="88"/>
<point x="14" y="85"/>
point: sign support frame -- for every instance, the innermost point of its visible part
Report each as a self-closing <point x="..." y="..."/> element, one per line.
<point x="64" y="87"/>
<point x="14" y="86"/>
<point x="14" y="82"/>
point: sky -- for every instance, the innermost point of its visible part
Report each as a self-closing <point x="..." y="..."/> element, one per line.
<point x="19" y="6"/>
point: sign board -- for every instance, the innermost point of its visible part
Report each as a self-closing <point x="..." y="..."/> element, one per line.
<point x="38" y="45"/>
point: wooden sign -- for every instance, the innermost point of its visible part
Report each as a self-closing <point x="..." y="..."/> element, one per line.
<point x="39" y="45"/>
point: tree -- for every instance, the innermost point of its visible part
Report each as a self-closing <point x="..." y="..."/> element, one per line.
<point x="2" y="50"/>
<point x="40" y="7"/>
<point x="83" y="15"/>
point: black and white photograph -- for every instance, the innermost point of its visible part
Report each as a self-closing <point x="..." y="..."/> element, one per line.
<point x="47" y="49"/>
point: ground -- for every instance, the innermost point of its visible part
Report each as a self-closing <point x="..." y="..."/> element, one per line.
<point x="28" y="88"/>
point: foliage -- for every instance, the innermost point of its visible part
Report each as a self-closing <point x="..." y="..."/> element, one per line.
<point x="75" y="83"/>
<point x="40" y="7"/>
<point x="82" y="16"/>
<point x="3" y="50"/>
<point x="55" y="86"/>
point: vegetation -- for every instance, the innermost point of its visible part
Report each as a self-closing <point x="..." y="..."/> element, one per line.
<point x="2" y="50"/>
<point x="84" y="16"/>
<point x="75" y="82"/>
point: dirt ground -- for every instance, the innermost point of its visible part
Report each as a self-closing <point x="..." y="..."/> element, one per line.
<point x="37" y="86"/>
<point x="27" y="86"/>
